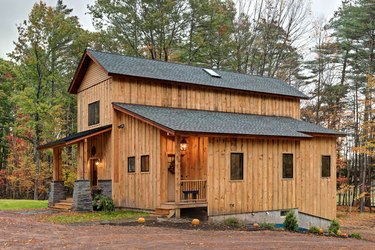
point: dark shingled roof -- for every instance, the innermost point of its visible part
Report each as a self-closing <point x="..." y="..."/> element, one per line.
<point x="73" y="137"/>
<point x="199" y="121"/>
<point x="132" y="66"/>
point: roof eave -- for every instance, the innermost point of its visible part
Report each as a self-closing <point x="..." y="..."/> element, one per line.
<point x="81" y="70"/>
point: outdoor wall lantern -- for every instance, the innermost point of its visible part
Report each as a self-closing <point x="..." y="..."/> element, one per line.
<point x="97" y="162"/>
<point x="183" y="145"/>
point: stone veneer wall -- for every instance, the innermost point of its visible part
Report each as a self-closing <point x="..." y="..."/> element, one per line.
<point x="56" y="193"/>
<point x="106" y="187"/>
<point x="82" y="200"/>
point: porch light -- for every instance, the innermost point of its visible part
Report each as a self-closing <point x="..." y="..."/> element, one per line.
<point x="183" y="145"/>
<point x="97" y="162"/>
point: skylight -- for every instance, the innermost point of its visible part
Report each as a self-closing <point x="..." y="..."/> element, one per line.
<point x="212" y="73"/>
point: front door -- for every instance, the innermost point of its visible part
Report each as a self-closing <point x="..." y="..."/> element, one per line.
<point x="171" y="177"/>
<point x="94" y="172"/>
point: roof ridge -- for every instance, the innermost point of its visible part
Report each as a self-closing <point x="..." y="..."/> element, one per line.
<point x="118" y="64"/>
<point x="187" y="65"/>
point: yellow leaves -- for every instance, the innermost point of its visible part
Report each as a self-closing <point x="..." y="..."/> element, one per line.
<point x="361" y="195"/>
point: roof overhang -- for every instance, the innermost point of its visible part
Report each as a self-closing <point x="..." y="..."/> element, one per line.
<point x="81" y="70"/>
<point x="280" y="127"/>
<point x="76" y="138"/>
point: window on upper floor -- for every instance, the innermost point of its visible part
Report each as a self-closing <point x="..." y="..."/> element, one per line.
<point x="236" y="166"/>
<point x="326" y="166"/>
<point x="287" y="166"/>
<point x="93" y="117"/>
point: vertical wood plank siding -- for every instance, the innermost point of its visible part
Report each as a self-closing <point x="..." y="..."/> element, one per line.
<point x="95" y="86"/>
<point x="157" y="93"/>
<point x="263" y="187"/>
<point x="135" y="190"/>
<point x="103" y="147"/>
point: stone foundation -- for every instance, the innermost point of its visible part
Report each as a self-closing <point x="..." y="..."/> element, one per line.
<point x="82" y="200"/>
<point x="106" y="187"/>
<point x="56" y="193"/>
<point x="276" y="217"/>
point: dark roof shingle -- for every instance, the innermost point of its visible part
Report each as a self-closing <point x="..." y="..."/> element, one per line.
<point x="139" y="67"/>
<point x="73" y="137"/>
<point x="199" y="121"/>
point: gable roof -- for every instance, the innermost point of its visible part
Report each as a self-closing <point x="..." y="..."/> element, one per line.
<point x="115" y="64"/>
<point x="213" y="122"/>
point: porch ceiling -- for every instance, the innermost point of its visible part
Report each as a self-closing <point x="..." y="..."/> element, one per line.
<point x="222" y="123"/>
<point x="75" y="138"/>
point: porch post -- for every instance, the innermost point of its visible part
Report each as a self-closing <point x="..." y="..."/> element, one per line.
<point x="177" y="170"/>
<point x="57" y="190"/>
<point x="57" y="164"/>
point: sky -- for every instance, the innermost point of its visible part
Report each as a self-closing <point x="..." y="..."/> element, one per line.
<point x="13" y="12"/>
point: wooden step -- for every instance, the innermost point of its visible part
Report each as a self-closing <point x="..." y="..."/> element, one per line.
<point x="161" y="212"/>
<point x="63" y="205"/>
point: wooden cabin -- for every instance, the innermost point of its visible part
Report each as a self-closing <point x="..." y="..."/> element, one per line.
<point x="163" y="136"/>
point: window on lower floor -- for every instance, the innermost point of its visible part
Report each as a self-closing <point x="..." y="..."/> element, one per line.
<point x="236" y="166"/>
<point x="288" y="166"/>
<point x="93" y="113"/>
<point x="326" y="166"/>
<point x="145" y="163"/>
<point x="131" y="164"/>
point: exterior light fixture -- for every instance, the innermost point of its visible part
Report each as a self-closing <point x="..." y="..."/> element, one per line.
<point x="97" y="162"/>
<point x="183" y="145"/>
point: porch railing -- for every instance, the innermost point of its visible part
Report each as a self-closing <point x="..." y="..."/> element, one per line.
<point x="193" y="190"/>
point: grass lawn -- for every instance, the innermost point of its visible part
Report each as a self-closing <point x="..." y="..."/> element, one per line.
<point x="22" y="204"/>
<point x="70" y="218"/>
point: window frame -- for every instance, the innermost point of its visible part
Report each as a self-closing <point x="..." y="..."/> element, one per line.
<point x="91" y="121"/>
<point x="330" y="166"/>
<point x="148" y="163"/>
<point x="243" y="166"/>
<point x="284" y="167"/>
<point x="130" y="158"/>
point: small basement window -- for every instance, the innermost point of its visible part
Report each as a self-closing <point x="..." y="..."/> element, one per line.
<point x="326" y="166"/>
<point x="288" y="166"/>
<point x="236" y="166"/>
<point x="283" y="213"/>
<point x="93" y="117"/>
<point x="131" y="164"/>
<point x="145" y="163"/>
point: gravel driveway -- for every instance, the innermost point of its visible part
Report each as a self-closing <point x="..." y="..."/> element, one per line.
<point x="24" y="231"/>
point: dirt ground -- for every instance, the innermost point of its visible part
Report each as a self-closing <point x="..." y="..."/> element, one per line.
<point x="26" y="231"/>
<point x="355" y="222"/>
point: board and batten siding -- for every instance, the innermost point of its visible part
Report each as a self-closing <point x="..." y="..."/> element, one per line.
<point x="95" y="86"/>
<point x="263" y="187"/>
<point x="102" y="144"/>
<point x="316" y="195"/>
<point x="158" y="93"/>
<point x="135" y="190"/>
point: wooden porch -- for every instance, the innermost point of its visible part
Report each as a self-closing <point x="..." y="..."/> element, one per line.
<point x="186" y="185"/>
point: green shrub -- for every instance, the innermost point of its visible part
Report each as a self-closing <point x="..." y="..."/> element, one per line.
<point x="334" y="227"/>
<point x="356" y="236"/>
<point x="268" y="226"/>
<point x="290" y="222"/>
<point x="103" y="203"/>
<point x="314" y="230"/>
<point x="233" y="222"/>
